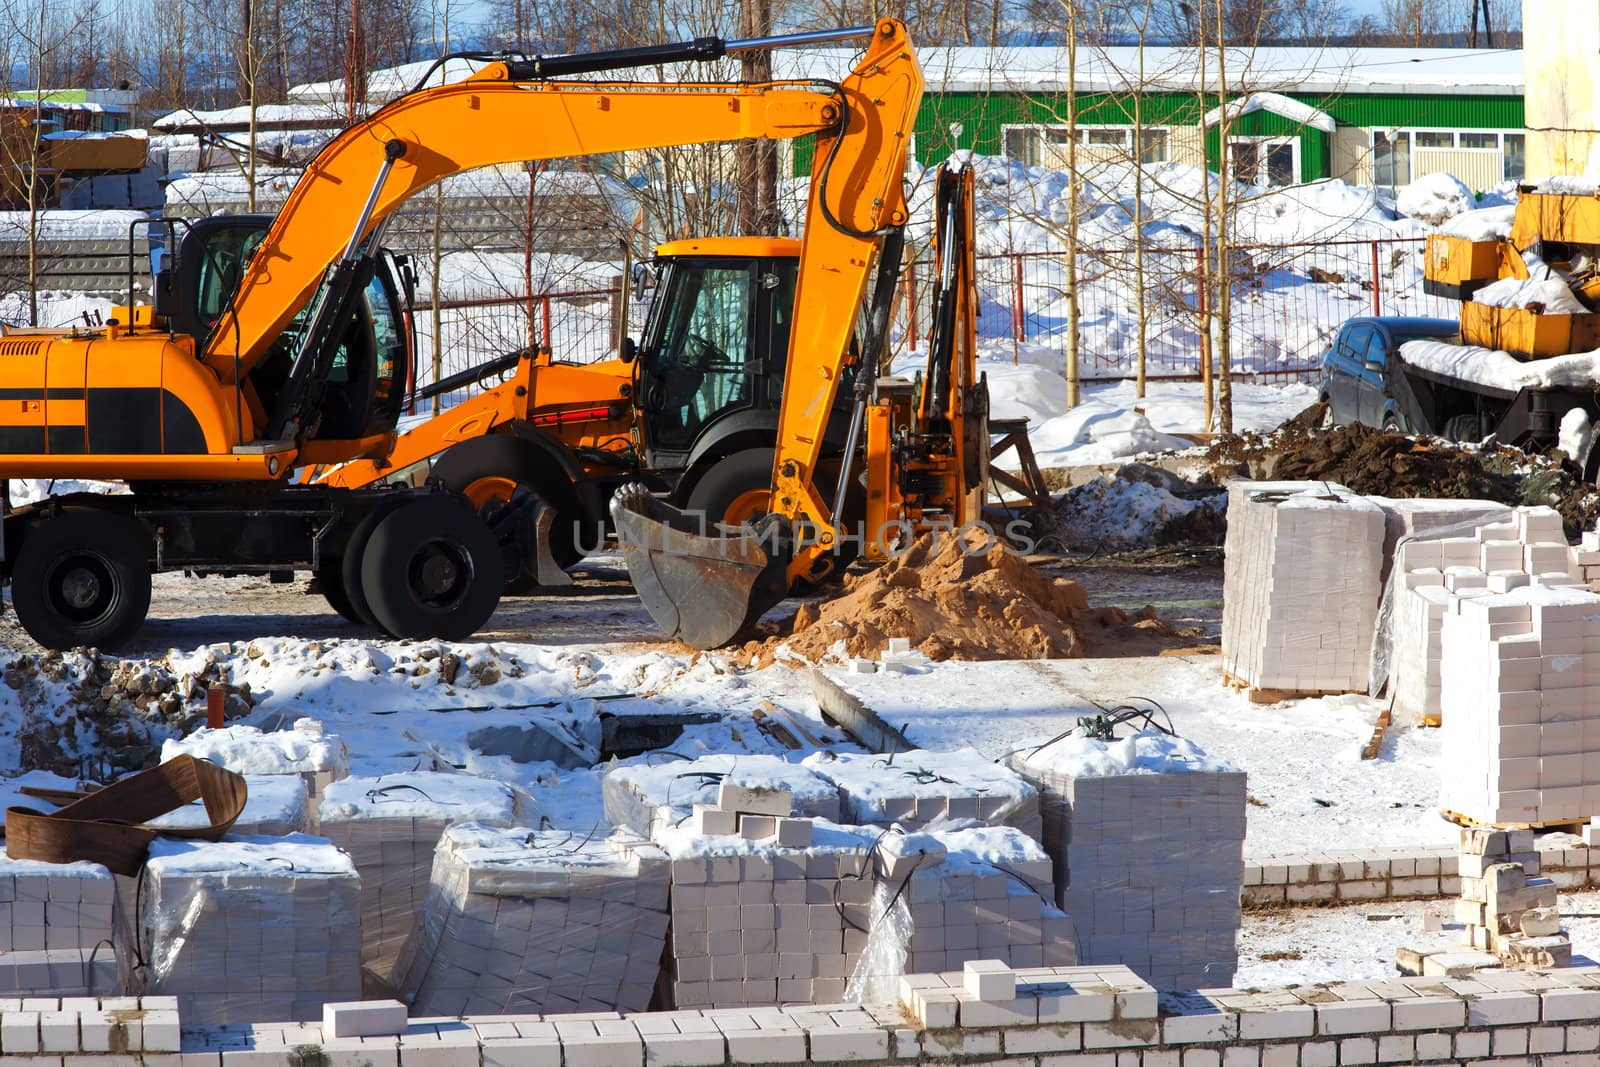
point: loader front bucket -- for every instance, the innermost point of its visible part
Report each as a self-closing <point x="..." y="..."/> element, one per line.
<point x="704" y="590"/>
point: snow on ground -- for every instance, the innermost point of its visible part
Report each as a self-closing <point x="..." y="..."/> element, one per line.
<point x="1304" y="946"/>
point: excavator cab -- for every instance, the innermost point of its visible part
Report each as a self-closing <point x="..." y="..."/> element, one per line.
<point x="364" y="388"/>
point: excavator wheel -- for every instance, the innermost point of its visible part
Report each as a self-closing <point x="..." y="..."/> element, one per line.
<point x="432" y="569"/>
<point x="82" y="577"/>
<point x="331" y="581"/>
<point x="490" y="470"/>
<point x="350" y="584"/>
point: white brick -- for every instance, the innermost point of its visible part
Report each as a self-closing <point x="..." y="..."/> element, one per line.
<point x="989" y="980"/>
<point x="522" y="1052"/>
<point x="369" y="1018"/>
<point x="684" y="1050"/>
<point x="1563" y="1004"/>
<point x="1277" y="1023"/>
<point x="1503" y="1009"/>
<point x="1352" y="1017"/>
<point x="847" y="1045"/>
<point x="767" y="1046"/>
<point x="754" y="800"/>
<point x="1429" y="1013"/>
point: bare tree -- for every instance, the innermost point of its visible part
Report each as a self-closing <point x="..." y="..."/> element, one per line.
<point x="38" y="48"/>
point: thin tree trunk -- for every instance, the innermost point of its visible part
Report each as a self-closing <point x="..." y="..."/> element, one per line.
<point x="1222" y="349"/>
<point x="1141" y="311"/>
<point x="1071" y="294"/>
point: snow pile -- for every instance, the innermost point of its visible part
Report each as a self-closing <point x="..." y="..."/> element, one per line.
<point x="1547" y="296"/>
<point x="1500" y="370"/>
<point x="1435" y="198"/>
<point x="427" y="795"/>
<point x="247" y="750"/>
<point x="1098" y="432"/>
<point x="1484" y="224"/>
<point x="1145" y="752"/>
<point x="1135" y="508"/>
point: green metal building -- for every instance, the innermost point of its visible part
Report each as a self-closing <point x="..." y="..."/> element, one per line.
<point x="1382" y="116"/>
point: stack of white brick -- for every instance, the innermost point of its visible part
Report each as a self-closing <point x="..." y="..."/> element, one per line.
<point x="305" y="750"/>
<point x="520" y="920"/>
<point x="1146" y="835"/>
<point x="55" y="928"/>
<point x="754" y="922"/>
<point x="247" y="928"/>
<point x="1433" y="576"/>
<point x="929" y="790"/>
<point x="1506" y="911"/>
<point x="1521" y="680"/>
<point x="390" y="825"/>
<point x="1110" y="998"/>
<point x="1300" y="585"/>
<point x="982" y="894"/>
<point x="646" y="797"/>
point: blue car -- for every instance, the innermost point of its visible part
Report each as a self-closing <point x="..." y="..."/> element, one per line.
<point x="1356" y="384"/>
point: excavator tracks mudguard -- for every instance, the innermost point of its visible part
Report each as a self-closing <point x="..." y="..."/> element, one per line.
<point x="705" y="590"/>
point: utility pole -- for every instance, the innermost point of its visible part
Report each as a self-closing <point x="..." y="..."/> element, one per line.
<point x="757" y="158"/>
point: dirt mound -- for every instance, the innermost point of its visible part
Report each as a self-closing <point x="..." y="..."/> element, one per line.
<point x="959" y="598"/>
<point x="1383" y="462"/>
<point x="1391" y="464"/>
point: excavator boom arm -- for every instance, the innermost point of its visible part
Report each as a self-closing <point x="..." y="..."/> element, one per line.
<point x="492" y="119"/>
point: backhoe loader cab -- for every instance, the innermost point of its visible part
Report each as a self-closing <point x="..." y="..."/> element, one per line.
<point x="714" y="349"/>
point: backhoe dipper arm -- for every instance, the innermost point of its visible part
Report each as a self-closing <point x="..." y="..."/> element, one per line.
<point x="857" y="199"/>
<point x="492" y="119"/>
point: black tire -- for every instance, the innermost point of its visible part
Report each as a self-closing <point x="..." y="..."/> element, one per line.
<point x="432" y="569"/>
<point x="350" y="573"/>
<point x="727" y="480"/>
<point x="82" y="578"/>
<point x="750" y="471"/>
<point x="330" y="580"/>
<point x="507" y="457"/>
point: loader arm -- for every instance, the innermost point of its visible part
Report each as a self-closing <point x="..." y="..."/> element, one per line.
<point x="499" y="116"/>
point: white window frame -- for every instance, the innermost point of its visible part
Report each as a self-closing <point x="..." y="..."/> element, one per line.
<point x="1271" y="140"/>
<point x="1042" y="129"/>
<point x="1411" y="132"/>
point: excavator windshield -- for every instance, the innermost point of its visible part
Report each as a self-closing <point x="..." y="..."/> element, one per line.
<point x="700" y="357"/>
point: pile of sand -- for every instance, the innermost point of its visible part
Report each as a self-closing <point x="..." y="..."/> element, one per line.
<point x="962" y="599"/>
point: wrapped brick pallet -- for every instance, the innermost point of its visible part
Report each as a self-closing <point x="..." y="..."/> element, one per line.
<point x="520" y="920"/>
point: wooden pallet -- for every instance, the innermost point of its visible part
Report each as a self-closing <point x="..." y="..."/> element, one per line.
<point x="1256" y="694"/>
<point x="1565" y="826"/>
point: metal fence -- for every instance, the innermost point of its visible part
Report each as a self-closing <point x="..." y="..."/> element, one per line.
<point x="1286" y="302"/>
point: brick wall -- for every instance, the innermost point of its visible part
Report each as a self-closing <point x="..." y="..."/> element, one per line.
<point x="1496" y="1017"/>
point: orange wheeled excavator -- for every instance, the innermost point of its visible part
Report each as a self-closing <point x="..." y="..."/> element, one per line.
<point x="272" y="349"/>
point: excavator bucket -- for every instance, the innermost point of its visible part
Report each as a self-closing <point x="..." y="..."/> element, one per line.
<point x="705" y="590"/>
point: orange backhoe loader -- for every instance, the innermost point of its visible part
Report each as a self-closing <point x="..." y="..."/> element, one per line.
<point x="270" y="351"/>
<point x="918" y="449"/>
